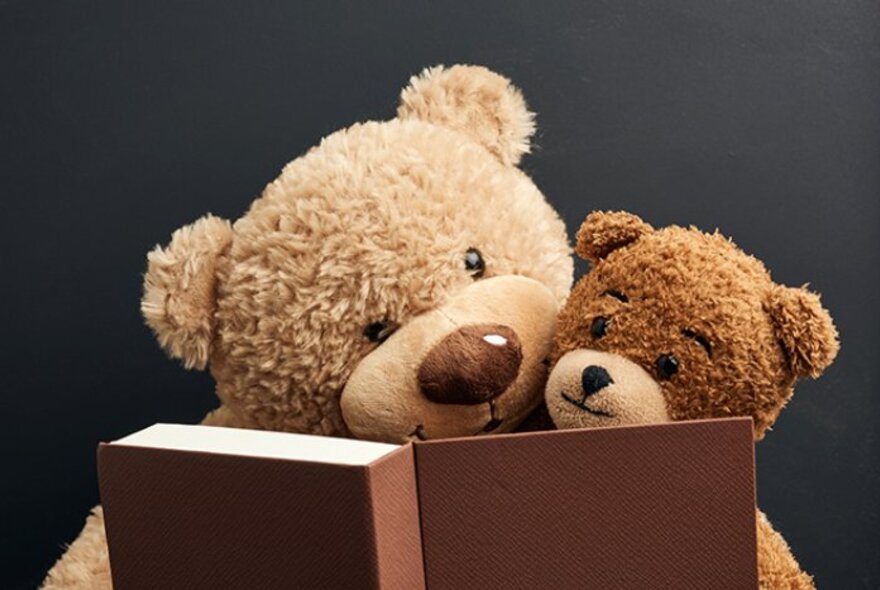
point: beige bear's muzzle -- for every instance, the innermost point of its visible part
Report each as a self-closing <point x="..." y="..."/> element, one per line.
<point x="473" y="365"/>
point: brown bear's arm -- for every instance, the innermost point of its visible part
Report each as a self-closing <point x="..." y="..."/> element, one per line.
<point x="777" y="567"/>
<point x="86" y="564"/>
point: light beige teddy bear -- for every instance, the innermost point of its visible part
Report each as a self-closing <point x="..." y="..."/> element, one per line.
<point x="400" y="280"/>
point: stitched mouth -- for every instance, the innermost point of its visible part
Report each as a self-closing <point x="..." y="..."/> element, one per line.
<point x="491" y="425"/>
<point x="583" y="406"/>
<point x="419" y="432"/>
<point x="494" y="422"/>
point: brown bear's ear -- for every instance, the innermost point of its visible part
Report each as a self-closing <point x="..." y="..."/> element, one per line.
<point x="179" y="289"/>
<point x="475" y="101"/>
<point x="603" y="232"/>
<point x="804" y="328"/>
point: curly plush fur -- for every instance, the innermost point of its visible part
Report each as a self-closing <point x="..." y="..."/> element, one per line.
<point x="686" y="326"/>
<point x="375" y="224"/>
<point x="86" y="565"/>
<point x="179" y="289"/>
<point x="741" y="340"/>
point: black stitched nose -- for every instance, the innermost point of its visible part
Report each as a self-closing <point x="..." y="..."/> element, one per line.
<point x="594" y="378"/>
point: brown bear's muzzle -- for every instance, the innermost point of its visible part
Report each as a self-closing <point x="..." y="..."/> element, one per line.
<point x="590" y="388"/>
<point x="472" y="365"/>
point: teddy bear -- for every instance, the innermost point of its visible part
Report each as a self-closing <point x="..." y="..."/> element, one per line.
<point x="399" y="281"/>
<point x="677" y="324"/>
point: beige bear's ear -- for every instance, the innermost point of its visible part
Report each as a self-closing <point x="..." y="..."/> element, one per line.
<point x="603" y="232"/>
<point x="475" y="101"/>
<point x="804" y="328"/>
<point x="179" y="289"/>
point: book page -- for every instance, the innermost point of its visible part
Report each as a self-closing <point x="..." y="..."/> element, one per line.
<point x="258" y="443"/>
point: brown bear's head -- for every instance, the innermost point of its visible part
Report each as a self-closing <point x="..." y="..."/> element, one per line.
<point x="676" y="324"/>
<point x="400" y="280"/>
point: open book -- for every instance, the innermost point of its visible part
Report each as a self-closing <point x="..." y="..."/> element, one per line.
<point x="666" y="506"/>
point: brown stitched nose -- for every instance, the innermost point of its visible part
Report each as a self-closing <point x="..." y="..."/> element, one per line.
<point x="472" y="365"/>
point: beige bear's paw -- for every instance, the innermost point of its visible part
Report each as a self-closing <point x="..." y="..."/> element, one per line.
<point x="86" y="564"/>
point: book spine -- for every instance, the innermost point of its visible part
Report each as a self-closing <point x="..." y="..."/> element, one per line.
<point x="396" y="522"/>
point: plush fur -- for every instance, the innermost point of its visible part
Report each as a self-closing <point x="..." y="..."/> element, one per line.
<point x="684" y="325"/>
<point x="475" y="102"/>
<point x="375" y="229"/>
<point x="179" y="289"/>
<point x="86" y="565"/>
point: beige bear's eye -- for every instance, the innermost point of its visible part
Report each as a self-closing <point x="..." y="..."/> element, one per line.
<point x="380" y="331"/>
<point x="474" y="263"/>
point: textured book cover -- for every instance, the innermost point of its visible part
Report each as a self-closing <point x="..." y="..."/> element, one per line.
<point x="666" y="506"/>
<point x="234" y="517"/>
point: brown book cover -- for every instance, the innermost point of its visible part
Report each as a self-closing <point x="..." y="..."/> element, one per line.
<point x="190" y="518"/>
<point x="665" y="506"/>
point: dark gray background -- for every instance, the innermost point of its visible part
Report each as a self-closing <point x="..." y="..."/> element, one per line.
<point x="120" y="122"/>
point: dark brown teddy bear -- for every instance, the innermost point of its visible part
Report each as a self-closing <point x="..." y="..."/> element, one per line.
<point x="677" y="324"/>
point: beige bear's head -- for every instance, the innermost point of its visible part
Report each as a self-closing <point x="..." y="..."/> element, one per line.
<point x="677" y="324"/>
<point x="400" y="280"/>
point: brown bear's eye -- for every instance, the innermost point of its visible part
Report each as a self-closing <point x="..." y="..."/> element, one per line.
<point x="380" y="331"/>
<point x="474" y="263"/>
<point x="667" y="365"/>
<point x="699" y="339"/>
<point x="617" y="295"/>
<point x="598" y="327"/>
